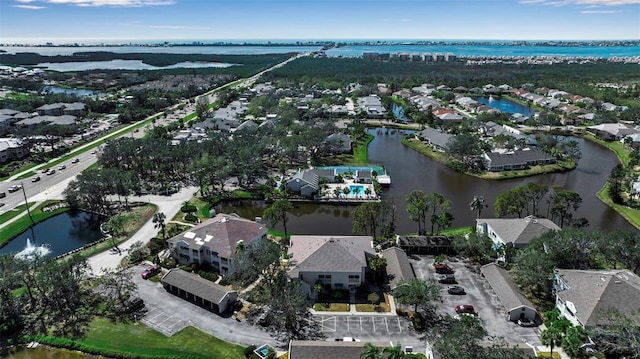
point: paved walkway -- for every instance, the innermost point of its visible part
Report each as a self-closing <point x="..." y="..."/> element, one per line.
<point x="167" y="205"/>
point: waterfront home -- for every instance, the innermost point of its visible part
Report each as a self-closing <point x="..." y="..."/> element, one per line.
<point x="214" y="241"/>
<point x="338" y="262"/>
<point x="304" y="183"/>
<point x="514" y="232"/>
<point x="434" y="137"/>
<point x="612" y="131"/>
<point x="371" y="106"/>
<point x="338" y="143"/>
<point x="514" y="302"/>
<point x="515" y="160"/>
<point x="199" y="291"/>
<point x="585" y="296"/>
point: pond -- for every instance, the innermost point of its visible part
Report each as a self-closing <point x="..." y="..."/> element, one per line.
<point x="411" y="170"/>
<point x="59" y="234"/>
<point x="505" y="105"/>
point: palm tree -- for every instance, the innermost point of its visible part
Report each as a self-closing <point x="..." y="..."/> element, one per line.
<point x="371" y="352"/>
<point x="477" y="204"/>
<point x="367" y="191"/>
<point x="552" y="337"/>
<point x="158" y="220"/>
<point x="395" y="352"/>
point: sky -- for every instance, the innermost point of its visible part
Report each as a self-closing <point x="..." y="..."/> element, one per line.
<point x="94" y="21"/>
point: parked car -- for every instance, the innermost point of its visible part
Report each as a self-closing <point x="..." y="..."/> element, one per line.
<point x="51" y="171"/>
<point x="35" y="179"/>
<point x="15" y="188"/>
<point x="149" y="272"/>
<point x="1" y="204"/>
<point x="465" y="308"/>
<point x="347" y="339"/>
<point x="62" y="167"/>
<point x="447" y="279"/>
<point x="443" y="268"/>
<point x="3" y="194"/>
<point x="456" y="290"/>
<point x="75" y="160"/>
<point x="526" y="322"/>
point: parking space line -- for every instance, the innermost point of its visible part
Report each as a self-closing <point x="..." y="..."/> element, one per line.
<point x="374" y="324"/>
<point x="399" y="326"/>
<point x="387" y="324"/>
<point x="360" y="324"/>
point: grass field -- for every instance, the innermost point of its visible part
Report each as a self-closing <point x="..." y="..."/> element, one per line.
<point x="136" y="339"/>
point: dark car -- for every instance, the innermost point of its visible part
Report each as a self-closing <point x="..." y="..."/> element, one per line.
<point x="456" y="290"/>
<point x="447" y="279"/>
<point x="3" y="194"/>
<point x="35" y="179"/>
<point x="465" y="309"/>
<point x="75" y="160"/>
<point x="149" y="272"/>
<point x="526" y="322"/>
<point x="443" y="269"/>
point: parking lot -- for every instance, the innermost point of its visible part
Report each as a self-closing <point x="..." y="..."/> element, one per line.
<point x="480" y="295"/>
<point x="369" y="328"/>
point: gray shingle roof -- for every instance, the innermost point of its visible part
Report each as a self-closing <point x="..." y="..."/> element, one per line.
<point x="221" y="234"/>
<point x="504" y="287"/>
<point x="196" y="285"/>
<point x="518" y="157"/>
<point x="593" y="292"/>
<point x="398" y="266"/>
<point x="329" y="253"/>
<point x="435" y="137"/>
<point x="519" y="230"/>
<point x="307" y="349"/>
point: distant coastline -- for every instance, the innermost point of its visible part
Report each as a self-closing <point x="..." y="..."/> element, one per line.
<point x="337" y="43"/>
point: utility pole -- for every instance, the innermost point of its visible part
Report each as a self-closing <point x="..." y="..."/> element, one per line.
<point x="27" y="204"/>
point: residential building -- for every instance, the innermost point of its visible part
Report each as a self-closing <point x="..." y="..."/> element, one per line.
<point x="339" y="143"/>
<point x="371" y="106"/>
<point x="12" y="149"/>
<point x="312" y="349"/>
<point x="199" y="291"/>
<point x="513" y="301"/>
<point x="436" y="138"/>
<point x="214" y="241"/>
<point x="304" y="183"/>
<point x="515" y="160"/>
<point x="514" y="232"/>
<point x="585" y="296"/>
<point x="339" y="262"/>
<point x="399" y="269"/>
<point x="612" y="131"/>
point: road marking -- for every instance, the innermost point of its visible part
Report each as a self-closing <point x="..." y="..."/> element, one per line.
<point x="348" y="323"/>
<point x="386" y="323"/>
<point x="399" y="326"/>
<point x="374" y="324"/>
<point x="360" y="324"/>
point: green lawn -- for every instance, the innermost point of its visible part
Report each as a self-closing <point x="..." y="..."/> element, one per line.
<point x="360" y="151"/>
<point x="333" y="307"/>
<point x="14" y="212"/>
<point x="138" y="340"/>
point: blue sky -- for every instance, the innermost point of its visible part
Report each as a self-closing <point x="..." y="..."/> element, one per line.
<point x="103" y="20"/>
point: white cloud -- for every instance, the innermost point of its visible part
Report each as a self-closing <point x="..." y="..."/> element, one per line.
<point x="589" y="3"/>
<point x="116" y="3"/>
<point x="177" y="27"/>
<point x="29" y="7"/>
<point x="600" y="11"/>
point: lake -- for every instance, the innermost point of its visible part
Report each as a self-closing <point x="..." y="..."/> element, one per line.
<point x="60" y="234"/>
<point x="43" y="352"/>
<point x="125" y="65"/>
<point x="411" y="170"/>
<point x="505" y="105"/>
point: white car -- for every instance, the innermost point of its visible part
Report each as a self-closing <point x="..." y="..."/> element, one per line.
<point x="62" y="167"/>
<point x="15" y="188"/>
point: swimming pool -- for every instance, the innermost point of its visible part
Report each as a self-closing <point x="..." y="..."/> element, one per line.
<point x="356" y="190"/>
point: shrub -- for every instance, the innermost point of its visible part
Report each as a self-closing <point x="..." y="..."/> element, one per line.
<point x="248" y="351"/>
<point x="188" y="209"/>
<point x="225" y="281"/>
<point x="191" y="218"/>
<point x="208" y="275"/>
<point x="169" y="263"/>
<point x="186" y="268"/>
<point x="373" y="298"/>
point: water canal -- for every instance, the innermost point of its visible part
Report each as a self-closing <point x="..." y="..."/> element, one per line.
<point x="410" y="170"/>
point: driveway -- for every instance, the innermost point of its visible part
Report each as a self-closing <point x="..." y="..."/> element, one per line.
<point x="169" y="314"/>
<point x="490" y="311"/>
